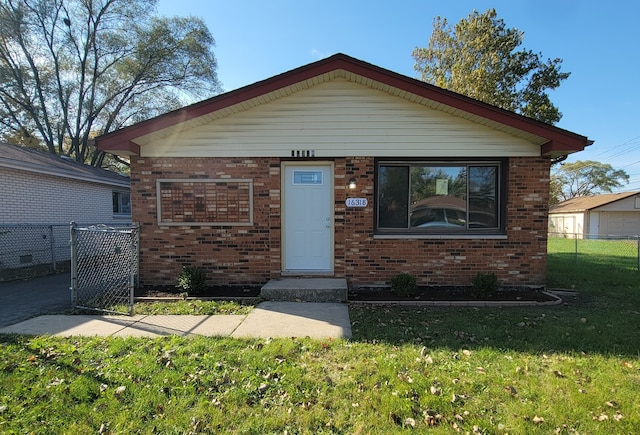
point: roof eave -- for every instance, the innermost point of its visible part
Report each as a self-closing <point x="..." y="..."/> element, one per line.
<point x="39" y="169"/>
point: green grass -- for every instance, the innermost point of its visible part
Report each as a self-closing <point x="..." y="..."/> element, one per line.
<point x="192" y="306"/>
<point x="196" y="307"/>
<point x="573" y="368"/>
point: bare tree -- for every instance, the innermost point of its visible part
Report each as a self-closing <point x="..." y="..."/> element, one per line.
<point x="73" y="69"/>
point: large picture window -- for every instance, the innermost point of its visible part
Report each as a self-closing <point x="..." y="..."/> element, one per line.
<point x="439" y="197"/>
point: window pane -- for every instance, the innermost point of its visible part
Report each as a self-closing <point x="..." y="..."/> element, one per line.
<point x="438" y="197"/>
<point x="307" y="177"/>
<point x="483" y="192"/>
<point x="125" y="199"/>
<point x="393" y="197"/>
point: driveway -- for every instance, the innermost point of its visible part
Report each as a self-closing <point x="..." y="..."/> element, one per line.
<point x="21" y="300"/>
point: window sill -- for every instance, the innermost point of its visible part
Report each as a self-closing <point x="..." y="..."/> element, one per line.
<point x="441" y="236"/>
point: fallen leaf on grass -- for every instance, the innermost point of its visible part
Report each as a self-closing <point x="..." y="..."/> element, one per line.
<point x="431" y="417"/>
<point x="409" y="422"/>
<point x="558" y="374"/>
<point x="435" y="390"/>
<point x="537" y="420"/>
<point x="612" y="404"/>
<point x="618" y="416"/>
<point x="601" y="417"/>
<point x="511" y="390"/>
<point x="55" y="382"/>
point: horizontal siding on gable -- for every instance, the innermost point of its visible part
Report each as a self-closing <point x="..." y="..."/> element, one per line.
<point x="336" y="119"/>
<point x="627" y="204"/>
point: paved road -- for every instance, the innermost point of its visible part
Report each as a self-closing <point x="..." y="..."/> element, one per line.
<point x="21" y="300"/>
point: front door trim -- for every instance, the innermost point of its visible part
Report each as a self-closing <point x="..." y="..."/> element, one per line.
<point x="283" y="184"/>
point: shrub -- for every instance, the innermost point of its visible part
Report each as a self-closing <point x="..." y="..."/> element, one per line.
<point x="404" y="284"/>
<point x="485" y="285"/>
<point x="192" y="280"/>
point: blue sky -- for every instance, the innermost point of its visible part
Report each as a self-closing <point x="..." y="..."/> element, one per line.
<point x="598" y="42"/>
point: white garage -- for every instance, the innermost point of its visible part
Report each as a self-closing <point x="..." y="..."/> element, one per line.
<point x="609" y="215"/>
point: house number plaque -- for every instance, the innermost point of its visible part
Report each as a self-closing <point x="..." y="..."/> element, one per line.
<point x="356" y="202"/>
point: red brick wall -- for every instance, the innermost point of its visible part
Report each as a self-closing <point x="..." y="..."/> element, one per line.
<point x="520" y="259"/>
<point x="231" y="254"/>
<point x="252" y="254"/>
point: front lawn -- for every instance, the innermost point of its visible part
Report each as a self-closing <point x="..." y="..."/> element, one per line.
<point x="573" y="368"/>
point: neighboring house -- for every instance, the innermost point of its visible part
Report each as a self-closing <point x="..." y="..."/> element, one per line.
<point x="41" y="188"/>
<point x="341" y="168"/>
<point x="41" y="195"/>
<point x="608" y="215"/>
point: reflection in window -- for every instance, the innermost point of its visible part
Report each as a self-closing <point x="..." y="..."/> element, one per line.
<point x="438" y="197"/>
<point x="444" y="197"/>
<point x="307" y="177"/>
<point x="393" y="195"/>
<point x="121" y="203"/>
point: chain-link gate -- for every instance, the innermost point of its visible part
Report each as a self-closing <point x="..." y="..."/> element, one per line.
<point x="104" y="266"/>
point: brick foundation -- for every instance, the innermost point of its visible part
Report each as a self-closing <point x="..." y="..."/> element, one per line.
<point x="252" y="254"/>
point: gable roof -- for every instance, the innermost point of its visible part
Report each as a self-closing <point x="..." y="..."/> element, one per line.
<point x="553" y="141"/>
<point x="31" y="160"/>
<point x="584" y="203"/>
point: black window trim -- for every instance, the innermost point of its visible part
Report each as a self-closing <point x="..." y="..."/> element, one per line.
<point x="118" y="194"/>
<point x="500" y="230"/>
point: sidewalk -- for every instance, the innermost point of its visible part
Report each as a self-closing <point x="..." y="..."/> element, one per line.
<point x="267" y="319"/>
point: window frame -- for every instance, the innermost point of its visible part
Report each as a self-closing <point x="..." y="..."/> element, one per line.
<point x="247" y="181"/>
<point x="117" y="195"/>
<point x="501" y="179"/>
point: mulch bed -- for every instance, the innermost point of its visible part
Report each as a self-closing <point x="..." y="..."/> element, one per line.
<point x="430" y="293"/>
<point x="434" y="293"/>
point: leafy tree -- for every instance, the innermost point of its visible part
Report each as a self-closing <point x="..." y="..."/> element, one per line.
<point x="73" y="69"/>
<point x="479" y="57"/>
<point x="585" y="178"/>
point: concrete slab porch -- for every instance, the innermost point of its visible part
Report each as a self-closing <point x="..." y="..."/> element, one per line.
<point x="305" y="290"/>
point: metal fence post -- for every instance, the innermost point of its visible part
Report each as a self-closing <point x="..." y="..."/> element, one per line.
<point x="132" y="277"/>
<point x="638" y="257"/>
<point x="52" y="244"/>
<point x="74" y="264"/>
<point x="136" y="225"/>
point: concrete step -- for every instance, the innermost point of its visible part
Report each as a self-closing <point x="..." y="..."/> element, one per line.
<point x="305" y="290"/>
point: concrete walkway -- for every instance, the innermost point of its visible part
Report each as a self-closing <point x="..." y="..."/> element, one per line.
<point x="267" y="319"/>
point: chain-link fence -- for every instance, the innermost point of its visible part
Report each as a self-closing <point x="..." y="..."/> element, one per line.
<point x="617" y="251"/>
<point x="27" y="251"/>
<point x="104" y="266"/>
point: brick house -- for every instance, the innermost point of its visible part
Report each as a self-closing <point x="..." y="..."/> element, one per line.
<point x="340" y="168"/>
<point x="41" y="194"/>
<point x="38" y="187"/>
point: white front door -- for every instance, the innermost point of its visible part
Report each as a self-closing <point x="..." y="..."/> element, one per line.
<point x="307" y="220"/>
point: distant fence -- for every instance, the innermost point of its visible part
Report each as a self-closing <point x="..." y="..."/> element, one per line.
<point x="33" y="250"/>
<point x="618" y="251"/>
